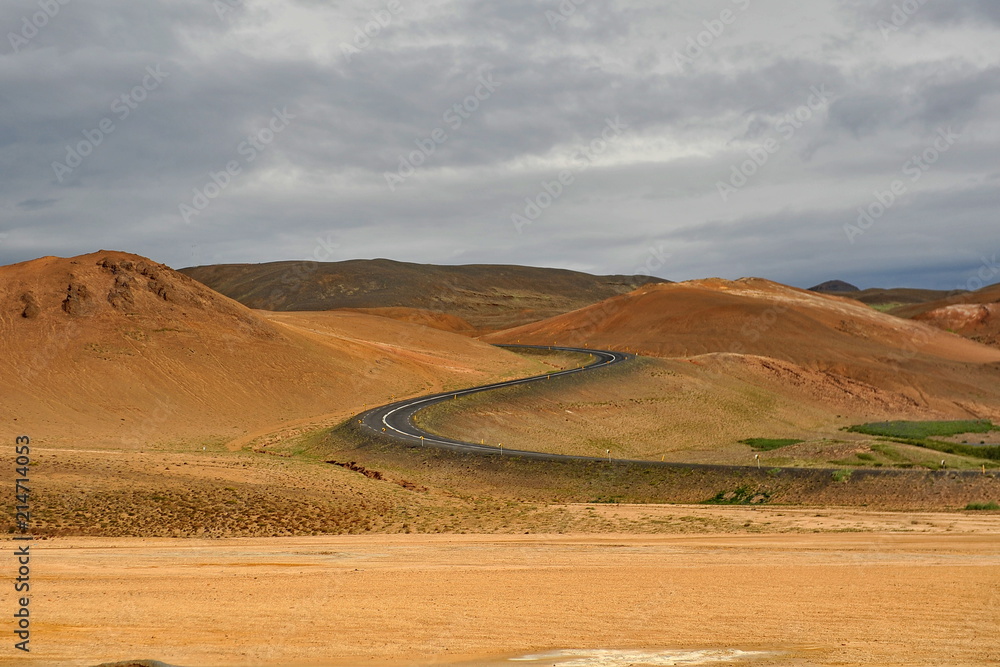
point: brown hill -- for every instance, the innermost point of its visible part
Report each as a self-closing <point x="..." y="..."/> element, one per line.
<point x="877" y="296"/>
<point x="975" y="315"/>
<point x="900" y="295"/>
<point x="489" y="297"/>
<point x="748" y="318"/>
<point x="113" y="348"/>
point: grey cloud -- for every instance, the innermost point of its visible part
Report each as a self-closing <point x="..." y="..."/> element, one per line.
<point x="323" y="176"/>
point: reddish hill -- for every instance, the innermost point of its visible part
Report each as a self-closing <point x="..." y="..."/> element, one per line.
<point x="975" y="315"/>
<point x="757" y="317"/>
<point x="114" y="348"/>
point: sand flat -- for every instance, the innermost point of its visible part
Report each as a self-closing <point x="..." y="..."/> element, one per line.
<point x="881" y="598"/>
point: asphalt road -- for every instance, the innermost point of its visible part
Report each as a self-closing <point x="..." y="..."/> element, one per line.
<point x="395" y="420"/>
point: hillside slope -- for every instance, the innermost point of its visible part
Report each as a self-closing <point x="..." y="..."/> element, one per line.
<point x="112" y="348"/>
<point x="489" y="297"/>
<point x="975" y="315"/>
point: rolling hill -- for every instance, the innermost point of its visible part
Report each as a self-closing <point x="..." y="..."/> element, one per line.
<point x="975" y="315"/>
<point x="114" y="349"/>
<point x="734" y="323"/>
<point x="877" y="296"/>
<point x="489" y="297"/>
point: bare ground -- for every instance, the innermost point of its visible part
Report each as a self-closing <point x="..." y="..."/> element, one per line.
<point x="920" y="589"/>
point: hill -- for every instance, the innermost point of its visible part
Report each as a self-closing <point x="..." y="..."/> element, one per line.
<point x="434" y="319"/>
<point x="879" y="297"/>
<point x="754" y="318"/>
<point x="114" y="349"/>
<point x="975" y="315"/>
<point x="897" y="296"/>
<point x="489" y="297"/>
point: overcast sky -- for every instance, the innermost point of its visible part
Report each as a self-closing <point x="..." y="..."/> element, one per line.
<point x="694" y="138"/>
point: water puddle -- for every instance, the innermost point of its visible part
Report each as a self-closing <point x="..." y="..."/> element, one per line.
<point x="637" y="658"/>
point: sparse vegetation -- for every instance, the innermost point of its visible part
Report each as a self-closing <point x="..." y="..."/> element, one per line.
<point x="740" y="496"/>
<point x="841" y="476"/>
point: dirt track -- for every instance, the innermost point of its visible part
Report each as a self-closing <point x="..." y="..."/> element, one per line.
<point x="930" y="596"/>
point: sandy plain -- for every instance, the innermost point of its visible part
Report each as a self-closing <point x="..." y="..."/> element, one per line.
<point x="803" y="586"/>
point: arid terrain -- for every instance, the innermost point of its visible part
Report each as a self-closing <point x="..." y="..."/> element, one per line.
<point x="790" y="587"/>
<point x="141" y="356"/>
<point x="975" y="315"/>
<point x="202" y="495"/>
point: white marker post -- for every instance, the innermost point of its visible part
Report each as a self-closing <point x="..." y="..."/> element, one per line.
<point x="757" y="457"/>
<point x="609" y="456"/>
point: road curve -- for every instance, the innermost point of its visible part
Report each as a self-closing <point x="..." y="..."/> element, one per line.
<point x="395" y="420"/>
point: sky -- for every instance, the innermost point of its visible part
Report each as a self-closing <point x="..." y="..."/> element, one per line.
<point x="796" y="141"/>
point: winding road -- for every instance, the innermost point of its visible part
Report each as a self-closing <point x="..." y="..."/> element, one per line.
<point x="395" y="420"/>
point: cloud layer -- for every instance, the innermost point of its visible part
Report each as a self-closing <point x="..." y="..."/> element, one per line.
<point x="850" y="139"/>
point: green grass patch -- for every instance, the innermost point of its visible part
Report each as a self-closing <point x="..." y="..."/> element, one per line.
<point x="769" y="444"/>
<point x="922" y="434"/>
<point x="921" y="430"/>
<point x="982" y="506"/>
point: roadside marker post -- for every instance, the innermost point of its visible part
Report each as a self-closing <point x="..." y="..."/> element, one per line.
<point x="757" y="458"/>
<point x="609" y="456"/>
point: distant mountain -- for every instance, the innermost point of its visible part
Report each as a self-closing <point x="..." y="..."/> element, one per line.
<point x="834" y="287"/>
<point x="897" y="296"/>
<point x="489" y="297"/>
<point x="877" y="296"/>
